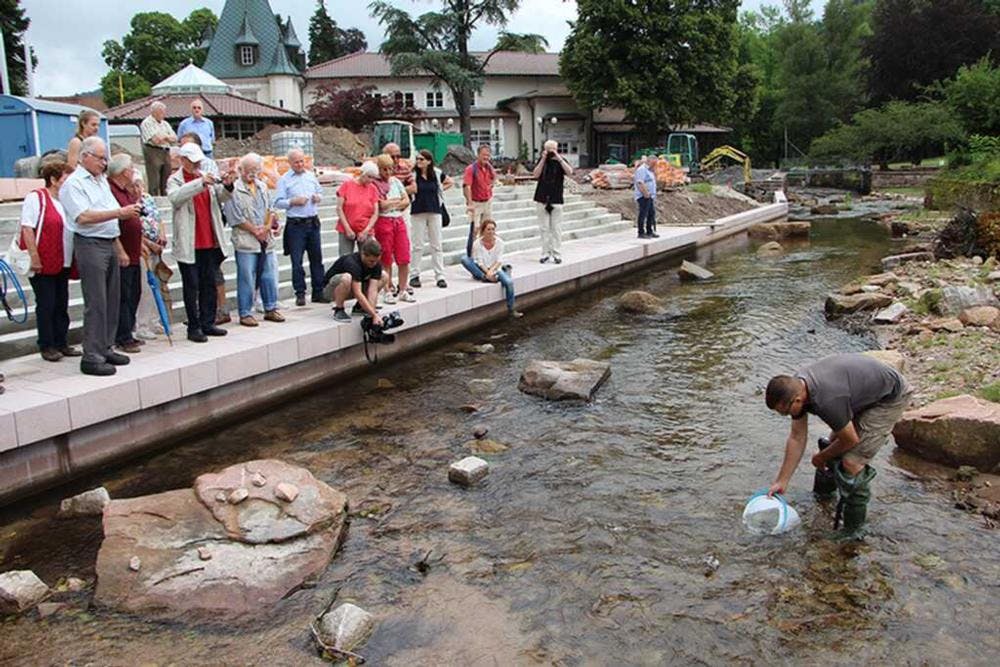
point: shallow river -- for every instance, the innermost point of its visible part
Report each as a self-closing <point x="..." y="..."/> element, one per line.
<point x="585" y="546"/>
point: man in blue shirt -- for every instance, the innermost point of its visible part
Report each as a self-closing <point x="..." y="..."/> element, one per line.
<point x="299" y="192"/>
<point x="645" y="197"/>
<point x="200" y="125"/>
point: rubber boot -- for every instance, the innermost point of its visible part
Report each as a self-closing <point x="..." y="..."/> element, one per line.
<point x="855" y="492"/>
<point x="824" y="483"/>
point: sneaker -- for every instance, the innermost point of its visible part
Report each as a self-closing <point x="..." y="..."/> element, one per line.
<point x="274" y="316"/>
<point x="51" y="354"/>
<point x="389" y="298"/>
<point x="340" y="315"/>
<point x="116" y="359"/>
<point x="97" y="368"/>
<point x="300" y="299"/>
<point x="197" y="337"/>
<point x="415" y="281"/>
<point x="248" y="321"/>
<point x="70" y="351"/>
<point x="544" y="260"/>
<point x="442" y="283"/>
<point x="516" y="314"/>
<point x="407" y="296"/>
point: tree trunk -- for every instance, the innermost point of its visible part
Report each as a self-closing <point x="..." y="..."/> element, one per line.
<point x="464" y="123"/>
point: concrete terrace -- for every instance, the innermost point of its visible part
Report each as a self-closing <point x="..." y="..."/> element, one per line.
<point x="56" y="423"/>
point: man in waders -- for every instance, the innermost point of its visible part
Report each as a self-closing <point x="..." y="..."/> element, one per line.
<point x="860" y="399"/>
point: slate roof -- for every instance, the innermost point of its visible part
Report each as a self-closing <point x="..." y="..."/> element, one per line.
<point x="364" y="64"/>
<point x="217" y="106"/>
<point x="249" y="22"/>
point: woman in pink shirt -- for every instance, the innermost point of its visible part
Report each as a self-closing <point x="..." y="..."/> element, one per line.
<point x="357" y="207"/>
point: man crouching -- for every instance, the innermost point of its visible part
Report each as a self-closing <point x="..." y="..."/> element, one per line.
<point x="860" y="399"/>
<point x="358" y="275"/>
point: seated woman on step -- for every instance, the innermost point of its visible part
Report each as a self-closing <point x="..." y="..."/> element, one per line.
<point x="486" y="262"/>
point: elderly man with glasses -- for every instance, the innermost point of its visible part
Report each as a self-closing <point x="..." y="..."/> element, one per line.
<point x="157" y="137"/>
<point x="199" y="125"/>
<point x="92" y="214"/>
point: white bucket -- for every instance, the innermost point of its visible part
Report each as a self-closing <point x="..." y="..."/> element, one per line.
<point x="769" y="515"/>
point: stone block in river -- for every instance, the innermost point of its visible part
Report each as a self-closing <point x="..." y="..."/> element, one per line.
<point x="20" y="590"/>
<point x="775" y="231"/>
<point x="892" y="261"/>
<point x="843" y="304"/>
<point x="691" y="271"/>
<point x="198" y="555"/>
<point x="468" y="471"/>
<point x="640" y="303"/>
<point x="771" y="249"/>
<point x="891" y="315"/>
<point x="262" y="515"/>
<point x="88" y="503"/>
<point x="560" y="380"/>
<point x="346" y="628"/>
<point x="962" y="430"/>
<point x="956" y="298"/>
<point x="888" y="357"/>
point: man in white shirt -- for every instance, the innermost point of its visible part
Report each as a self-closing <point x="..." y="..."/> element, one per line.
<point x="92" y="213"/>
<point x="298" y="193"/>
<point x="157" y="137"/>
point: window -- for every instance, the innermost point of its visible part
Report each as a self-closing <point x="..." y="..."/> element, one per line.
<point x="478" y="137"/>
<point x="246" y="56"/>
<point x="435" y="99"/>
<point x="404" y="100"/>
<point x="473" y="100"/>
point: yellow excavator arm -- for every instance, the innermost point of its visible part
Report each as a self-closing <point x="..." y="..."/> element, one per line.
<point x="712" y="160"/>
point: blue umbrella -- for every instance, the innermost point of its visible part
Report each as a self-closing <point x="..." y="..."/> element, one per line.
<point x="161" y="306"/>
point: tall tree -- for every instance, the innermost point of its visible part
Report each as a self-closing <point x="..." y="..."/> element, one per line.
<point x="14" y="24"/>
<point x="157" y="46"/>
<point x="665" y="64"/>
<point x="438" y="43"/>
<point x="915" y="42"/>
<point x="327" y="40"/>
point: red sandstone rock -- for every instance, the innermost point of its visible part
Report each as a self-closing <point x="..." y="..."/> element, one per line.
<point x="963" y="430"/>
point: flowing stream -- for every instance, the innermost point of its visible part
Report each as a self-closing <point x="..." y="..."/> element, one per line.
<point x="588" y="542"/>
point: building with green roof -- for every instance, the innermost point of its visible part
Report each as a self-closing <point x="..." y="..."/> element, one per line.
<point x="261" y="58"/>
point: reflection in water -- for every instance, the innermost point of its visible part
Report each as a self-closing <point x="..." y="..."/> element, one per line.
<point x="586" y="544"/>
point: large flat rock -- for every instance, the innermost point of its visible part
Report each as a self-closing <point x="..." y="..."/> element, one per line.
<point x="963" y="430"/>
<point x="263" y="516"/>
<point x="561" y="380"/>
<point x="844" y="304"/>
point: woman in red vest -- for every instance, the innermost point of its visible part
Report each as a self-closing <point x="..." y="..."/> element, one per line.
<point x="45" y="237"/>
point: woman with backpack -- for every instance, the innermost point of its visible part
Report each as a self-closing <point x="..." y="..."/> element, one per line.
<point x="426" y="215"/>
<point x="50" y="246"/>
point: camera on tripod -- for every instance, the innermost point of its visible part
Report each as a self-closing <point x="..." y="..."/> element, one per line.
<point x="377" y="334"/>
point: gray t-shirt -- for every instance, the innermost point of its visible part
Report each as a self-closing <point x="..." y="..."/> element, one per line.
<point x="842" y="386"/>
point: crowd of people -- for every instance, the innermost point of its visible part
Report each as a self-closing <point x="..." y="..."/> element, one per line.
<point x="95" y="220"/>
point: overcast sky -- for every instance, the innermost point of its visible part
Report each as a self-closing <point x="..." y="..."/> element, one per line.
<point x="67" y="34"/>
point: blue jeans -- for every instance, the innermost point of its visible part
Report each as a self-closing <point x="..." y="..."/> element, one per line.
<point x="302" y="236"/>
<point x="647" y="215"/>
<point x="502" y="276"/>
<point x="246" y="280"/>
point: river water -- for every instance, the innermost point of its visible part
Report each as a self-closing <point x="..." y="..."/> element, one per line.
<point x="587" y="543"/>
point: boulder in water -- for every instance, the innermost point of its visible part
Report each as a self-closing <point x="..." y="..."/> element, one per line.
<point x="774" y="231"/>
<point x="691" y="271"/>
<point x="88" y="503"/>
<point x="843" y="304"/>
<point x="20" y="590"/>
<point x="771" y="249"/>
<point x="893" y="261"/>
<point x="824" y="209"/>
<point x="259" y="550"/>
<point x="962" y="430"/>
<point x="558" y="380"/>
<point x="345" y="628"/>
<point x="468" y="471"/>
<point x="640" y="303"/>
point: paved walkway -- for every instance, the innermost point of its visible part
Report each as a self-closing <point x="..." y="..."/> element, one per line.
<point x="51" y="414"/>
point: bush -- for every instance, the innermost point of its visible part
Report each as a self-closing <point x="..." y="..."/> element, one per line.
<point x="356" y="108"/>
<point x="973" y="95"/>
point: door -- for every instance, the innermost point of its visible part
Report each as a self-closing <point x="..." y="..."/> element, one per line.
<point x="17" y="141"/>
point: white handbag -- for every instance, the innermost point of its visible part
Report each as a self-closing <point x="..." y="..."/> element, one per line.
<point x="18" y="259"/>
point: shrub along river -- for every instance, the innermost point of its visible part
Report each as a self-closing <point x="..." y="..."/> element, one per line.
<point x="589" y="541"/>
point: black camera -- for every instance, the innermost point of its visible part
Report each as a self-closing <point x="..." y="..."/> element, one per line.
<point x="377" y="334"/>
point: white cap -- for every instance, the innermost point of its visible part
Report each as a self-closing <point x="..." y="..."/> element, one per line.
<point x="192" y="152"/>
<point x="370" y="169"/>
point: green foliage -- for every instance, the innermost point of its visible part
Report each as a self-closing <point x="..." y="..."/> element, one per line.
<point x="157" y="46"/>
<point x="664" y="64"/>
<point x="991" y="392"/>
<point x="897" y="130"/>
<point x="915" y="42"/>
<point x="522" y="152"/>
<point x="438" y="42"/>
<point x="327" y="40"/>
<point x="14" y="23"/>
<point x="134" y="86"/>
<point x="701" y="188"/>
<point x="973" y="94"/>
